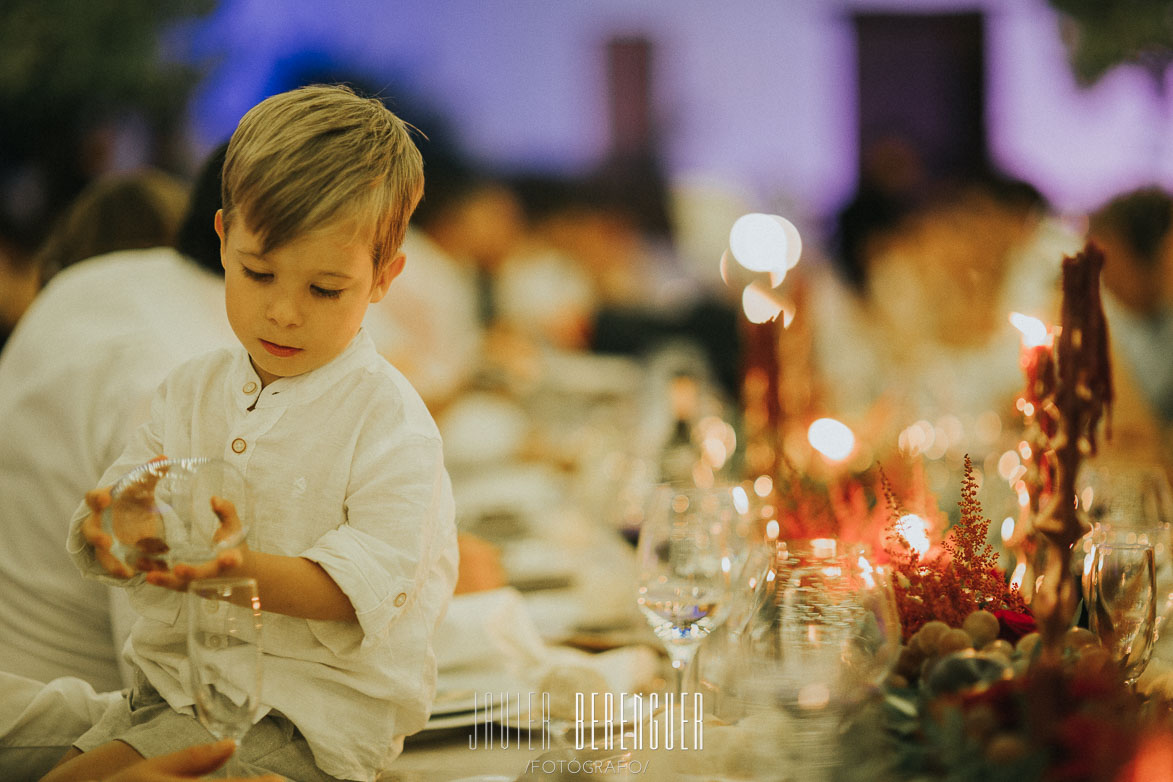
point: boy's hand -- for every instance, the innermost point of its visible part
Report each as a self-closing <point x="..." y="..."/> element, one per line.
<point x="136" y="522"/>
<point x="191" y="763"/>
<point x="98" y="500"/>
<point x="181" y="575"/>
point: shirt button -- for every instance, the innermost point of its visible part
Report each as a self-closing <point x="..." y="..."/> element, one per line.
<point x="249" y="387"/>
<point x="238" y="445"/>
<point x="400" y="599"/>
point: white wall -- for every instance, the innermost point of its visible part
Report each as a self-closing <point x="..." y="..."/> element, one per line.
<point x="756" y="92"/>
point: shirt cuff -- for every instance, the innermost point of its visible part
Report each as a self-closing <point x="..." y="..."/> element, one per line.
<point x="365" y="569"/>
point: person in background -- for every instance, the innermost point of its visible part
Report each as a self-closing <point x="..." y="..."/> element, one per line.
<point x="132" y="211"/>
<point x="432" y="323"/>
<point x="75" y="380"/>
<point x="19" y="283"/>
<point x="357" y="563"/>
<point x="1134" y="231"/>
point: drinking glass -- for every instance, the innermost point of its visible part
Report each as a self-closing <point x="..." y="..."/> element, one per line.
<point x="688" y="559"/>
<point x="825" y="634"/>
<point x="1128" y="502"/>
<point x="1121" y="492"/>
<point x="160" y="513"/>
<point x="224" y="653"/>
<point x="1123" y="601"/>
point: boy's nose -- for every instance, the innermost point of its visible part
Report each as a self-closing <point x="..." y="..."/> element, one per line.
<point x="283" y="311"/>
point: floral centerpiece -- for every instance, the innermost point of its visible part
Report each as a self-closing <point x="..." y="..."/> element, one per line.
<point x="962" y="577"/>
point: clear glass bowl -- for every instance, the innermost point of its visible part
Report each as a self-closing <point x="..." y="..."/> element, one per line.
<point x="161" y="514"/>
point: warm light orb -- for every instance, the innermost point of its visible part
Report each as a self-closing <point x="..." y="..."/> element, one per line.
<point x="740" y="500"/>
<point x="915" y="532"/>
<point x="1034" y="331"/>
<point x="833" y="439"/>
<point x="759" y="304"/>
<point x="763" y="485"/>
<point x="1007" y="528"/>
<point x="765" y="243"/>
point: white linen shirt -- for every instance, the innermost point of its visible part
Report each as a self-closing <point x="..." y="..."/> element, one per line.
<point x="76" y="379"/>
<point x="344" y="468"/>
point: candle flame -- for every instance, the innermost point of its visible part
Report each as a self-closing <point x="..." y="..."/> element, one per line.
<point x="866" y="572"/>
<point x="1034" y="331"/>
<point x="833" y="439"/>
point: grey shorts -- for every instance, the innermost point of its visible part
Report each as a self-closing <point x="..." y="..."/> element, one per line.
<point x="151" y="727"/>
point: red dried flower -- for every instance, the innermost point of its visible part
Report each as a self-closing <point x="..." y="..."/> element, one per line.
<point x="961" y="578"/>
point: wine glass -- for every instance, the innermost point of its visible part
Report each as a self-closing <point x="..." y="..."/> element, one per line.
<point x="1123" y="604"/>
<point x="224" y="653"/>
<point x="1123" y="492"/>
<point x="724" y="647"/>
<point x="825" y="636"/>
<point x="160" y="513"/>
<point x="1128" y="502"/>
<point x="688" y="562"/>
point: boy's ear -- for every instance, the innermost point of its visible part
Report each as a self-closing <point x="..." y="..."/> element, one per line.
<point x="219" y="222"/>
<point x="387" y="273"/>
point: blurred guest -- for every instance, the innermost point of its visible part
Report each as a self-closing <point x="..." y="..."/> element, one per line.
<point x="927" y="339"/>
<point x="132" y="211"/>
<point x="891" y="182"/>
<point x="594" y="241"/>
<point x="1134" y="231"/>
<point x="550" y="287"/>
<point x="599" y="271"/>
<point x="19" y="283"/>
<point x="74" y="383"/>
<point x="431" y="323"/>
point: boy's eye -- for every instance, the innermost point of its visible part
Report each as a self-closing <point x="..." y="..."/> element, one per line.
<point x="258" y="276"/>
<point x="325" y="293"/>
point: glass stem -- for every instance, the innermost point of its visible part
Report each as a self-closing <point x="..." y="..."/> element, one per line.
<point x="682" y="657"/>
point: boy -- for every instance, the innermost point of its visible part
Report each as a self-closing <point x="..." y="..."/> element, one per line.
<point x="351" y="539"/>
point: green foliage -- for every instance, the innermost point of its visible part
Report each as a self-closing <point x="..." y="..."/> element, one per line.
<point x="1102" y="34"/>
<point x="64" y="57"/>
<point x="67" y="69"/>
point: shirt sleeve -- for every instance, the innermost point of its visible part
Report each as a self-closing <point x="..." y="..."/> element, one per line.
<point x="399" y="513"/>
<point x="144" y="445"/>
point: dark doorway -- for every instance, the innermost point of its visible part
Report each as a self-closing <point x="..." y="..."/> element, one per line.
<point x="921" y="81"/>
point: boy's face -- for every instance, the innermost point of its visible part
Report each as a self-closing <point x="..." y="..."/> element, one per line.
<point x="296" y="308"/>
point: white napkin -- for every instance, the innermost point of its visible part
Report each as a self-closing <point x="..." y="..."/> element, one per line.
<point x="488" y="642"/>
<point x="488" y="630"/>
<point x="482" y="428"/>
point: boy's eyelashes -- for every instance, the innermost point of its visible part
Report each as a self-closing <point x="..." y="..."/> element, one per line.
<point x="317" y="290"/>
<point x="255" y="275"/>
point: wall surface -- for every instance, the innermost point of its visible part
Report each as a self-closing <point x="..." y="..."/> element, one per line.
<point x="758" y="94"/>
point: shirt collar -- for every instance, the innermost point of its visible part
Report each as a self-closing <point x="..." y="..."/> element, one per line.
<point x="286" y="391"/>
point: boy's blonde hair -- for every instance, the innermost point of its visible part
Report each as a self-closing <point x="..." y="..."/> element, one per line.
<point x="310" y="157"/>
